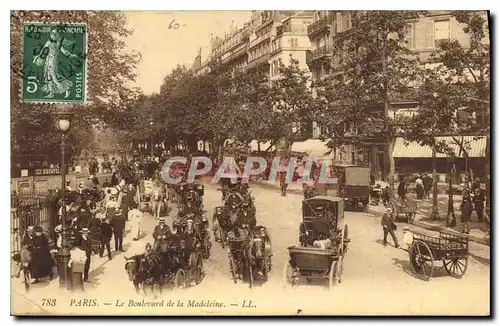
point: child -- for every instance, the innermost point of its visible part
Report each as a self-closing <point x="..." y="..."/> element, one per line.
<point x="407" y="237"/>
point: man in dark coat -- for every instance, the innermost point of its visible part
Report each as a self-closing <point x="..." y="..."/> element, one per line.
<point x="161" y="235"/>
<point x="427" y="180"/>
<point x="42" y="262"/>
<point x="479" y="198"/>
<point x="86" y="246"/>
<point x="402" y="190"/>
<point x="114" y="180"/>
<point x="106" y="233"/>
<point x="386" y="194"/>
<point x="126" y="204"/>
<point x="466" y="208"/>
<point x="28" y="238"/>
<point x="388" y="226"/>
<point x="118" y="224"/>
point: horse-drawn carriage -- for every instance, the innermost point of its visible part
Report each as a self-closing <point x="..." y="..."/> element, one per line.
<point x="323" y="241"/>
<point x="152" y="197"/>
<point x="224" y="216"/>
<point x="181" y="265"/>
<point x="250" y="254"/>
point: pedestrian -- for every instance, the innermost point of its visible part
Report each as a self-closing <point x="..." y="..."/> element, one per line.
<point x="386" y="195"/>
<point x="85" y="246"/>
<point x="114" y="180"/>
<point x="419" y="187"/>
<point x="402" y="190"/>
<point x="135" y="219"/>
<point x="427" y="185"/>
<point x="479" y="198"/>
<point x="106" y="232"/>
<point x="126" y="202"/>
<point x="118" y="224"/>
<point x="466" y="210"/>
<point x="389" y="226"/>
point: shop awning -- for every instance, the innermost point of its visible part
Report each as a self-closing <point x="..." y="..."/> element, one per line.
<point x="474" y="147"/>
<point x="263" y="146"/>
<point x="312" y="147"/>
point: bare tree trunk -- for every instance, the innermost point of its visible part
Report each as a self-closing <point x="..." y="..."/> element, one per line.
<point x="435" y="208"/>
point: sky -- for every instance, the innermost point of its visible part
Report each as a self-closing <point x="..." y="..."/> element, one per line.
<point x="163" y="48"/>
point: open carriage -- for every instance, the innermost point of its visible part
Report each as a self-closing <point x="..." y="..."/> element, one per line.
<point x="323" y="242"/>
<point x="452" y="249"/>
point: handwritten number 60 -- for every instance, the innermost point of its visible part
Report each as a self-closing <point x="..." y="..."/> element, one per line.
<point x="174" y="26"/>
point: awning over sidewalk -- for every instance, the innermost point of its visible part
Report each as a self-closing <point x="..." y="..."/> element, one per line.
<point x="263" y="146"/>
<point x="311" y="147"/>
<point x="474" y="147"/>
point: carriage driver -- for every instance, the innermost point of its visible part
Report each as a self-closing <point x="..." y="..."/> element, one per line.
<point x="161" y="235"/>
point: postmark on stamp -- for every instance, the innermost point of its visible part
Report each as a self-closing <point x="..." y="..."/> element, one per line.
<point x="54" y="62"/>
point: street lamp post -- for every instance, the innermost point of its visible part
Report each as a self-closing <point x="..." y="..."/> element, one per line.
<point x="63" y="123"/>
<point x="450" y="219"/>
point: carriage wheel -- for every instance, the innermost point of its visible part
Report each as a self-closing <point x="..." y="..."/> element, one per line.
<point x="289" y="276"/>
<point x="233" y="267"/>
<point x="180" y="279"/>
<point x="421" y="259"/>
<point x="456" y="267"/>
<point x="198" y="274"/>
<point x="333" y="275"/>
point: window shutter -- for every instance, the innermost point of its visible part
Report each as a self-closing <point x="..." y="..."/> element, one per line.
<point x="429" y="34"/>
<point x="419" y="33"/>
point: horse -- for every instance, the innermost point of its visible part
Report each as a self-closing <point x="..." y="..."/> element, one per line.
<point x="149" y="270"/>
<point x="158" y="200"/>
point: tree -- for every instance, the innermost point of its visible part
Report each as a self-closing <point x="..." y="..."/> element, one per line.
<point x="374" y="65"/>
<point x="435" y="117"/>
<point x="467" y="68"/>
<point x="291" y="101"/>
<point x="110" y="71"/>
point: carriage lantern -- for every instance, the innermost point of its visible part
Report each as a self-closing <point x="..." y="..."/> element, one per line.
<point x="63" y="116"/>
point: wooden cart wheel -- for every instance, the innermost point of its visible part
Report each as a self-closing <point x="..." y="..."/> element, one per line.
<point x="289" y="275"/>
<point x="180" y="279"/>
<point x="333" y="274"/>
<point x="421" y="259"/>
<point x="456" y="267"/>
<point x="233" y="267"/>
<point x="198" y="275"/>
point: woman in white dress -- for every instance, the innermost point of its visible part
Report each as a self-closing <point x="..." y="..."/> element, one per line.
<point x="135" y="219"/>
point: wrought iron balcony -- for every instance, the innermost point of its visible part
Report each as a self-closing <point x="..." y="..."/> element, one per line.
<point x="324" y="51"/>
<point x="320" y="25"/>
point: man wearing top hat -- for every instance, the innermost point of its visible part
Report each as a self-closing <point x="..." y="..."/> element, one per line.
<point x="86" y="247"/>
<point x="161" y="235"/>
<point x="42" y="261"/>
<point x="117" y="219"/>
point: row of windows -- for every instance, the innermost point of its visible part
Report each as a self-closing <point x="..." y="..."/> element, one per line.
<point x="259" y="51"/>
<point x="275" y="66"/>
<point x="292" y="42"/>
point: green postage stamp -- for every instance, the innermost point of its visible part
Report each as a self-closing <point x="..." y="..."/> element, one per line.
<point x="54" y="63"/>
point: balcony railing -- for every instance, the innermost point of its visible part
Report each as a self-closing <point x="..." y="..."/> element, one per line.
<point x="326" y="50"/>
<point x="319" y="25"/>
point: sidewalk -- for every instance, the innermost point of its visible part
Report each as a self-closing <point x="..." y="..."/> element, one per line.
<point x="478" y="230"/>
